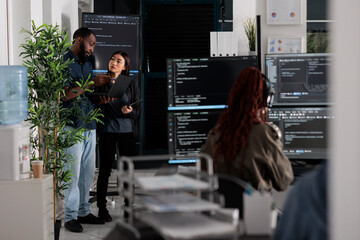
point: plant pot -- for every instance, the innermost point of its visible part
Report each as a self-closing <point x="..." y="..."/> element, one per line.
<point x="57" y="226"/>
<point x="252" y="53"/>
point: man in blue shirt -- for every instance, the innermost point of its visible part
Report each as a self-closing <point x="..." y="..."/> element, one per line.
<point x="77" y="206"/>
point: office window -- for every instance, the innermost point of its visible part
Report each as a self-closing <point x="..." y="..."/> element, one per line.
<point x="318" y="37"/>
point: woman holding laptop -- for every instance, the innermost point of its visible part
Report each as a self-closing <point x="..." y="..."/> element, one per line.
<point x="119" y="126"/>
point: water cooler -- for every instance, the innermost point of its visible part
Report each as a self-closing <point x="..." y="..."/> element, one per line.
<point x="15" y="148"/>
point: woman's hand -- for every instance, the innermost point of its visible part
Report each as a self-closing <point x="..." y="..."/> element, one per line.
<point x="126" y="109"/>
<point x="105" y="99"/>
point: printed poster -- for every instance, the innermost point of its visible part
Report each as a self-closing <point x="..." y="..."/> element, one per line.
<point x="283" y="12"/>
<point x="284" y="44"/>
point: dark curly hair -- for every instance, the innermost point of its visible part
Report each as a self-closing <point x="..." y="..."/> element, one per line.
<point x="234" y="124"/>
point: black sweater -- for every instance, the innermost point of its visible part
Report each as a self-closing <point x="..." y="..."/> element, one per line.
<point x="113" y="108"/>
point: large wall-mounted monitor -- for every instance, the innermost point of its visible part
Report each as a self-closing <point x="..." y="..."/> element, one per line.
<point x="114" y="33"/>
<point x="299" y="79"/>
<point x="203" y="83"/>
<point x="187" y="131"/>
<point x="304" y="130"/>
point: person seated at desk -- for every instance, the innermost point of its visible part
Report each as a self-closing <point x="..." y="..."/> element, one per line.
<point x="242" y="144"/>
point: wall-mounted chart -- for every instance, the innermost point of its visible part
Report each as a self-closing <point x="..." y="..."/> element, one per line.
<point x="283" y="12"/>
<point x="284" y="44"/>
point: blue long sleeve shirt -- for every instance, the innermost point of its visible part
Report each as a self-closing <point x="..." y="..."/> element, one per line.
<point x="79" y="72"/>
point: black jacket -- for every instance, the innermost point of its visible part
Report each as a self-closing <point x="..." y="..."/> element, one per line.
<point x="263" y="164"/>
<point x="113" y="108"/>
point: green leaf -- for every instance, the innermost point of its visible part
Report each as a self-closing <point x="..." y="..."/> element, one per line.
<point x="43" y="50"/>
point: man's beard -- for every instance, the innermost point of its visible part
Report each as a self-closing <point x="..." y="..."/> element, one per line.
<point x="82" y="56"/>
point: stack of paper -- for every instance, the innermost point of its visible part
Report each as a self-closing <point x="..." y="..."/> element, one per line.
<point x="179" y="202"/>
<point x="188" y="225"/>
<point x="171" y="182"/>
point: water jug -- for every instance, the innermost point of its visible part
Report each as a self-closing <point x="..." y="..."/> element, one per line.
<point x="13" y="94"/>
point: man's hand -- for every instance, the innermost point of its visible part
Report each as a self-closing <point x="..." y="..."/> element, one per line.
<point x="101" y="80"/>
<point x="105" y="99"/>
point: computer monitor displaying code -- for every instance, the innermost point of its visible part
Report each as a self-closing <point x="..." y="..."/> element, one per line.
<point x="299" y="79"/>
<point x="304" y="130"/>
<point x="114" y="33"/>
<point x="203" y="83"/>
<point x="187" y="130"/>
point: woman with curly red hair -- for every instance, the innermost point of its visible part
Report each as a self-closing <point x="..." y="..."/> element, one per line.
<point x="242" y="144"/>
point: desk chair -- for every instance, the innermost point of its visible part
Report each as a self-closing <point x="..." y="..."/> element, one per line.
<point x="232" y="189"/>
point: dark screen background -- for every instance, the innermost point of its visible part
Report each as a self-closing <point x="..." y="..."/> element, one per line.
<point x="204" y="81"/>
<point x="114" y="33"/>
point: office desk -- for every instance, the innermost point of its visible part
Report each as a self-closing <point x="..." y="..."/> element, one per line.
<point x="147" y="233"/>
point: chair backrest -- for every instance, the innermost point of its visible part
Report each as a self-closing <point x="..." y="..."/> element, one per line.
<point x="232" y="188"/>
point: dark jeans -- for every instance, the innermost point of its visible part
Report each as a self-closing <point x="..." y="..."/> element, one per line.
<point x="107" y="148"/>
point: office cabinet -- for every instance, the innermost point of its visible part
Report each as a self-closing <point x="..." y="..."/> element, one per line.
<point x="27" y="209"/>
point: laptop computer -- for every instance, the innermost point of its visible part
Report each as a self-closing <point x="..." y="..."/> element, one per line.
<point x="116" y="91"/>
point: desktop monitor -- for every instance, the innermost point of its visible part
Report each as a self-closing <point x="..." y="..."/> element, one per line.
<point x="299" y="79"/>
<point x="203" y="83"/>
<point x="304" y="130"/>
<point x="187" y="131"/>
<point x="114" y="33"/>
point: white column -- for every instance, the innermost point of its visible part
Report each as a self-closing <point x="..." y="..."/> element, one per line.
<point x="47" y="11"/>
<point x="65" y="14"/>
<point x="56" y="7"/>
<point x="241" y="10"/>
<point x="18" y="18"/>
<point x="37" y="12"/>
<point x="4" y="51"/>
<point x="344" y="177"/>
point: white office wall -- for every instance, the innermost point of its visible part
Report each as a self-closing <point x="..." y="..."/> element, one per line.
<point x="36" y="12"/>
<point x="241" y="10"/>
<point x="47" y="11"/>
<point x="85" y="6"/>
<point x="17" y="8"/>
<point x="17" y="14"/>
<point x="4" y="56"/>
<point x="280" y="30"/>
<point x="65" y="14"/>
<point x="344" y="177"/>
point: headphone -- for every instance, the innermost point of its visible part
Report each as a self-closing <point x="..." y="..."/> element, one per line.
<point x="268" y="93"/>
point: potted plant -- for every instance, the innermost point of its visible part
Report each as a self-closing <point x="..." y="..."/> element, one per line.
<point x="250" y="31"/>
<point x="48" y="73"/>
